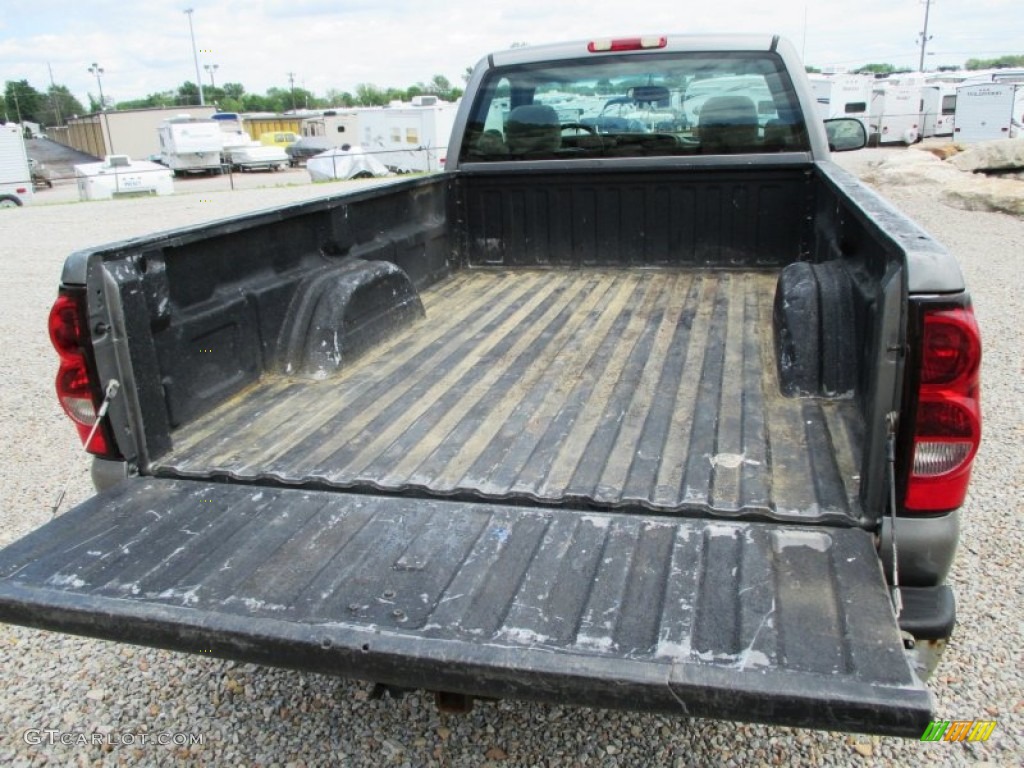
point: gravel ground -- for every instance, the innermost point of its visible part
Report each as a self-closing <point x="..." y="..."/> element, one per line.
<point x="251" y="715"/>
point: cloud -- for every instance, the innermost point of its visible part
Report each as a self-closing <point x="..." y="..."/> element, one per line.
<point x="331" y="44"/>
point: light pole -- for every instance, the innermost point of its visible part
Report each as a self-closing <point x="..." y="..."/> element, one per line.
<point x="195" y="57"/>
<point x="96" y="70"/>
<point x="211" y="68"/>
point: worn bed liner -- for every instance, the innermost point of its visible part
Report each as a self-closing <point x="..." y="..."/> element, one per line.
<point x="617" y="389"/>
<point x="765" y="622"/>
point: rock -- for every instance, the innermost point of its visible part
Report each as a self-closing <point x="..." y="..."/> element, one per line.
<point x="981" y="194"/>
<point x="942" y="151"/>
<point x="1001" y="154"/>
<point x="496" y="753"/>
<point x="864" y="750"/>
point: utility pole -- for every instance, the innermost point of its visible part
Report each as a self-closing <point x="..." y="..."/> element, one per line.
<point x="924" y="37"/>
<point x="291" y="86"/>
<point x="53" y="97"/>
<point x="195" y="56"/>
<point x="211" y="68"/>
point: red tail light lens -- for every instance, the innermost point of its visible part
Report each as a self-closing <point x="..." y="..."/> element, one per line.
<point x="75" y="390"/>
<point x="65" y="327"/>
<point x="947" y="431"/>
<point x="952" y="348"/>
<point x="627" y="44"/>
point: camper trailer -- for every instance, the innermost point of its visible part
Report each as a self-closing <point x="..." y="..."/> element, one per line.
<point x="988" y="111"/>
<point x="340" y="127"/>
<point x="15" y="176"/>
<point x="191" y="145"/>
<point x="408" y="138"/>
<point x="843" y="95"/>
<point x="938" y="105"/>
<point x="120" y="176"/>
<point x="895" y="114"/>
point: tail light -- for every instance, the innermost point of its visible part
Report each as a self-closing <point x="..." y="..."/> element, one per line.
<point x="627" y="44"/>
<point x="77" y="391"/>
<point x="947" y="428"/>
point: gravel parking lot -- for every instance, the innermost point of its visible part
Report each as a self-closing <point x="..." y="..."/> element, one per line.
<point x="249" y="715"/>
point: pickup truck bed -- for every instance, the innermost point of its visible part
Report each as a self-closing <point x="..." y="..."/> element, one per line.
<point x="650" y="389"/>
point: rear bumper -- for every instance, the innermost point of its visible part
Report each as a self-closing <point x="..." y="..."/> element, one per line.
<point x="929" y="613"/>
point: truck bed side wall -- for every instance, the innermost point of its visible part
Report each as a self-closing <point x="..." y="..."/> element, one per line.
<point x="216" y="296"/>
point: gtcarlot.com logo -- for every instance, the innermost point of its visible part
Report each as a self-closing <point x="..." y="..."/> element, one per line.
<point x="959" y="730"/>
<point x="51" y="737"/>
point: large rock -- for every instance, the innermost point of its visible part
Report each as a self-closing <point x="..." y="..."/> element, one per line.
<point x="941" y="151"/>
<point x="984" y="194"/>
<point x="999" y="155"/>
<point x="911" y="168"/>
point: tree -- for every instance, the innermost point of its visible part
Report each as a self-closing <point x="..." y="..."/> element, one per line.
<point x="369" y="95"/>
<point x="58" y="105"/>
<point x="467" y="74"/>
<point x="809" y="68"/>
<point x="879" y="69"/>
<point x="234" y="91"/>
<point x="1003" y="62"/>
<point x="252" y="102"/>
<point x="187" y="93"/>
<point x="336" y="98"/>
<point x="161" y="99"/>
<point x="22" y="102"/>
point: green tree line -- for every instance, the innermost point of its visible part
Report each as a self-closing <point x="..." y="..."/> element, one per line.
<point x="1003" y="62"/>
<point x="22" y="102"/>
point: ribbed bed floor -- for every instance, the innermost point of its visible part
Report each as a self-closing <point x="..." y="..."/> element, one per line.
<point x="591" y="388"/>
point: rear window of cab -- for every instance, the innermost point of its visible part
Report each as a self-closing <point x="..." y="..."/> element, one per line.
<point x="648" y="105"/>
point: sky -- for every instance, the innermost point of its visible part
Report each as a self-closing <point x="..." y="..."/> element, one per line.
<point x="341" y="43"/>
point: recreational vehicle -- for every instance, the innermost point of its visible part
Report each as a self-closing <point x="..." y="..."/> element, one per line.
<point x="895" y="115"/>
<point x="189" y="144"/>
<point x="843" y="95"/>
<point x="341" y="127"/>
<point x="408" y="138"/>
<point x="989" y="111"/>
<point x="15" y="175"/>
<point x="938" y="105"/>
<point x="120" y="176"/>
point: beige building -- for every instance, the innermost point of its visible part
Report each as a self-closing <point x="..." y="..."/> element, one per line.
<point x="131" y="132"/>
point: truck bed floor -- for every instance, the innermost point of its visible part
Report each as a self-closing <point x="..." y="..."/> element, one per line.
<point x="592" y="388"/>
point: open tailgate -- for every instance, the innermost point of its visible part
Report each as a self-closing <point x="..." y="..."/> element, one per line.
<point x="736" y="620"/>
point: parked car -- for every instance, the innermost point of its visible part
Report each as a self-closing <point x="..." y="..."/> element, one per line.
<point x="306" y="147"/>
<point x="279" y="138"/>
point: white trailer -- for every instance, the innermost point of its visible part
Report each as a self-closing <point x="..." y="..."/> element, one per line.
<point x="843" y="95"/>
<point x="15" y="175"/>
<point x="938" y="105"/>
<point x="895" y="114"/>
<point x="340" y="126"/>
<point x="408" y="138"/>
<point x="988" y="111"/>
<point x="191" y="145"/>
<point x="120" y="176"/>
